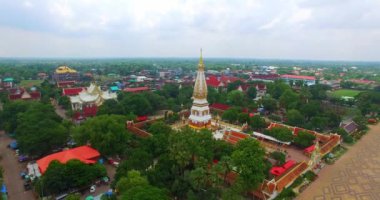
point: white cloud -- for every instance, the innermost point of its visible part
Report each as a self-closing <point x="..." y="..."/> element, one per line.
<point x="245" y="28"/>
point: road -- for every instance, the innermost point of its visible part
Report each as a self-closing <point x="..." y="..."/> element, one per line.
<point x="12" y="169"/>
<point x="58" y="109"/>
<point x="356" y="175"/>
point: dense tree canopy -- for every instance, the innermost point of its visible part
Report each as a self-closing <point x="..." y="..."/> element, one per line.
<point x="248" y="158"/>
<point x="39" y="130"/>
<point x="280" y="133"/>
<point x="304" y="139"/>
<point x="106" y="133"/>
<point x="60" y="177"/>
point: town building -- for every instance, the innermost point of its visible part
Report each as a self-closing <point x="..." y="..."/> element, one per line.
<point x="7" y="83"/>
<point x="88" y="99"/>
<point x="200" y="116"/>
<point x="84" y="154"/>
<point x="307" y="80"/>
<point x="65" y="73"/>
<point x="23" y="94"/>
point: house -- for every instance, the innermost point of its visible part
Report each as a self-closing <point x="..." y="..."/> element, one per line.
<point x="85" y="154"/>
<point x="7" y="82"/>
<point x="220" y="81"/>
<point x="264" y="77"/>
<point x="308" y="80"/>
<point x="349" y="126"/>
<point x="23" y="94"/>
<point x="136" y="89"/>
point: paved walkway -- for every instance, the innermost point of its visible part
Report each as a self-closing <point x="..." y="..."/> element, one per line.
<point x="356" y="175"/>
<point x="12" y="169"/>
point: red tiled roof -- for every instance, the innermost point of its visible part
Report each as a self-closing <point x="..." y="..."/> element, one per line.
<point x="142" y="118"/>
<point x="291" y="76"/>
<point x="65" y="83"/>
<point x="265" y="76"/>
<point x="309" y="149"/>
<point x="362" y="81"/>
<point x="72" y="91"/>
<point x="85" y="154"/>
<point x="136" y="89"/>
<point x="233" y="137"/>
<point x="220" y="106"/>
<point x="212" y="81"/>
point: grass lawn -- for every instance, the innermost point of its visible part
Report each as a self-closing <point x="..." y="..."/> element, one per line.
<point x="30" y="83"/>
<point x="345" y="92"/>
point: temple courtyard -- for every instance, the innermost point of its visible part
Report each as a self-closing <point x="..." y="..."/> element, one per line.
<point x="356" y="175"/>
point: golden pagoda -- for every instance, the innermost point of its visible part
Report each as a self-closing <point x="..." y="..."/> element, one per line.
<point x="200" y="116"/>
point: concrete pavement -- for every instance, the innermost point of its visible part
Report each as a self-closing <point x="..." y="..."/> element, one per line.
<point x="356" y="175"/>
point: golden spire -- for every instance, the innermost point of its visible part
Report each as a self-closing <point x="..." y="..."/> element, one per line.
<point x="201" y="66"/>
<point x="200" y="86"/>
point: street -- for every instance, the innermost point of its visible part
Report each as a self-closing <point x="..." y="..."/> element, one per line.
<point x="12" y="169"/>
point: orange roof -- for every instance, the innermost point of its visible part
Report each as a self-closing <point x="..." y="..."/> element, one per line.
<point x="233" y="137"/>
<point x="85" y="154"/>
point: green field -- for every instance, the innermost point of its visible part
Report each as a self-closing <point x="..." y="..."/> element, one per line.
<point x="345" y="92"/>
<point x="30" y="83"/>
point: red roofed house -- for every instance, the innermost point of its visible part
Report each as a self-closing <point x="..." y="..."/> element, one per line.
<point x="136" y="89"/>
<point x="84" y="154"/>
<point x="363" y="81"/>
<point x="23" y="94"/>
<point x="308" y="80"/>
<point x="218" y="107"/>
<point x="223" y="81"/>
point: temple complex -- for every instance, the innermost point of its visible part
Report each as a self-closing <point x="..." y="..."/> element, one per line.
<point x="200" y="116"/>
<point x="65" y="73"/>
<point x="90" y="98"/>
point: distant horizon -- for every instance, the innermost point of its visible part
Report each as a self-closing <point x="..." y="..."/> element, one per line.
<point x="183" y="57"/>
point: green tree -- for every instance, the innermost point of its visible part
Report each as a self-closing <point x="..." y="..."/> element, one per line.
<point x="295" y="118"/>
<point x="251" y="92"/>
<point x="289" y="99"/>
<point x="304" y="139"/>
<point x="64" y="101"/>
<point x="279" y="156"/>
<point x="280" y="133"/>
<point x="243" y="117"/>
<point x="258" y="123"/>
<point x="231" y="115"/>
<point x="236" y="98"/>
<point x="269" y="104"/>
<point x="10" y="113"/>
<point x="106" y="133"/>
<point x="63" y="177"/>
<point x="110" y="106"/>
<point x="39" y="130"/>
<point x="133" y="179"/>
<point x="146" y="192"/>
<point x="248" y="158"/>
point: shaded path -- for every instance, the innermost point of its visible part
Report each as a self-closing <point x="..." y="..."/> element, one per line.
<point x="12" y="169"/>
<point x="356" y="175"/>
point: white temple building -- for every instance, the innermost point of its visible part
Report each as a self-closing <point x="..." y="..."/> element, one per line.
<point x="91" y="96"/>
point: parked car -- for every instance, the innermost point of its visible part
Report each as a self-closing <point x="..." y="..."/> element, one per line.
<point x="23" y="158"/>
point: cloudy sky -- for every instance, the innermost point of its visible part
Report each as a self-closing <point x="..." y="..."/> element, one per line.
<point x="284" y="29"/>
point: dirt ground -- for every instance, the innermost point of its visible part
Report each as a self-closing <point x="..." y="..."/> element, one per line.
<point x="356" y="175"/>
<point x="12" y="169"/>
